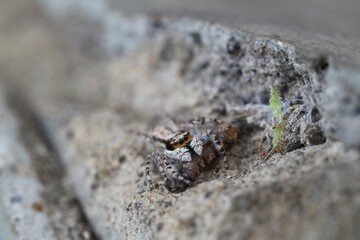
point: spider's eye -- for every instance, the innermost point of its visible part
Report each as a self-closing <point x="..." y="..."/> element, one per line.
<point x="182" y="139"/>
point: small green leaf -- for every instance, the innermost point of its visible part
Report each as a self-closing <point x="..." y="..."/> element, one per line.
<point x="276" y="108"/>
<point x="276" y="104"/>
<point x="278" y="131"/>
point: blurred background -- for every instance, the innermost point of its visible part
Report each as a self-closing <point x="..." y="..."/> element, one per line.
<point x="44" y="40"/>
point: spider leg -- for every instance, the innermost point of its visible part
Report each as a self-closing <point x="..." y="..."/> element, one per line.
<point x="163" y="165"/>
<point x="147" y="170"/>
<point x="203" y="120"/>
<point x="192" y="123"/>
<point x="197" y="145"/>
<point x="152" y="139"/>
<point x="169" y="170"/>
<point x="217" y="143"/>
<point x="174" y="122"/>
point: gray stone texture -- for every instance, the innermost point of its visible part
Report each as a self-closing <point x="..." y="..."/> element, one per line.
<point x="81" y="78"/>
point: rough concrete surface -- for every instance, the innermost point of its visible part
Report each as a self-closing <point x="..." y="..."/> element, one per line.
<point x="81" y="79"/>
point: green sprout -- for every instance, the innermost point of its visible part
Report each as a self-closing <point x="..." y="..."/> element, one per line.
<point x="276" y="104"/>
<point x="276" y="108"/>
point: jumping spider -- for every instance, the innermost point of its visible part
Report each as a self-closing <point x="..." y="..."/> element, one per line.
<point x="187" y="153"/>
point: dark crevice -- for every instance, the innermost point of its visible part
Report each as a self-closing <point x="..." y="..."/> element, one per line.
<point x="59" y="196"/>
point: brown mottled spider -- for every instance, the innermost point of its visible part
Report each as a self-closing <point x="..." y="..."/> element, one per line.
<point x="185" y="155"/>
